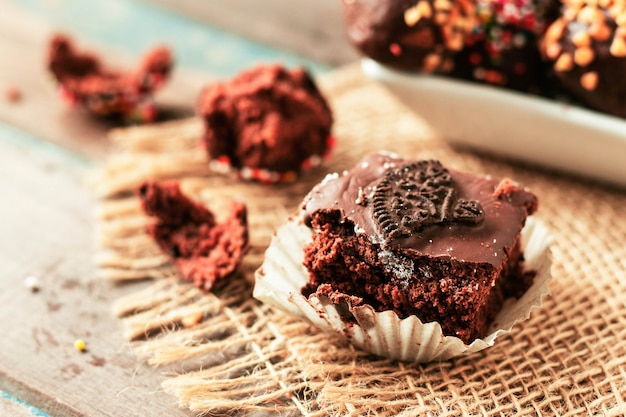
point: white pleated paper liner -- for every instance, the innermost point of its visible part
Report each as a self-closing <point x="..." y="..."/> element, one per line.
<point x="282" y="275"/>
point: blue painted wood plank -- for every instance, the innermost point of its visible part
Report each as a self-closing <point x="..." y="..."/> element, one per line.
<point x="18" y="138"/>
<point x="33" y="410"/>
<point x="133" y="27"/>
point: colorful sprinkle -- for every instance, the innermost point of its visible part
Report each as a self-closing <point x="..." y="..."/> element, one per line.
<point x="395" y="49"/>
<point x="589" y="80"/>
<point x="223" y="165"/>
<point x="32" y="283"/>
<point x="145" y="112"/>
<point x="80" y="345"/>
<point x="67" y="96"/>
<point x="479" y="73"/>
<point x="475" y="59"/>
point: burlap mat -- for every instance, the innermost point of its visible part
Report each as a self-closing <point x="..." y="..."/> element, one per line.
<point x="568" y="359"/>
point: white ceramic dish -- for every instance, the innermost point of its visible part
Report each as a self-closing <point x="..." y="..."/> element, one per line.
<point x="514" y="125"/>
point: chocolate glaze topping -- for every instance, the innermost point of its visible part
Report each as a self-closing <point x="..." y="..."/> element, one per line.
<point x="422" y="206"/>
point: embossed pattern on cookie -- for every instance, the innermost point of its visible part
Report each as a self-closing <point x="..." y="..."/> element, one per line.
<point x="417" y="195"/>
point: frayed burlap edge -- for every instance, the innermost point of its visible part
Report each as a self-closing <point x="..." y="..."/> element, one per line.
<point x="225" y="353"/>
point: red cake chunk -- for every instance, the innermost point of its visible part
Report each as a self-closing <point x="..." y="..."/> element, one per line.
<point x="268" y="123"/>
<point x="85" y="81"/>
<point x="205" y="252"/>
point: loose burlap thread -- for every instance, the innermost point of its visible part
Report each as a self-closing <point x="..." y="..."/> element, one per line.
<point x="245" y="358"/>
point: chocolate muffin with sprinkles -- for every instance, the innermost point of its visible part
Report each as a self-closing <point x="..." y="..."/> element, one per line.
<point x="587" y="49"/>
<point x="487" y="41"/>
<point x="501" y="48"/>
<point x="413" y="35"/>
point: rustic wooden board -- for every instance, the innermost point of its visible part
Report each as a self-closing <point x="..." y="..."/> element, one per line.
<point x="24" y="32"/>
<point x="9" y="406"/>
<point x="310" y="28"/>
<point x="47" y="220"/>
<point x="42" y="114"/>
<point x="47" y="232"/>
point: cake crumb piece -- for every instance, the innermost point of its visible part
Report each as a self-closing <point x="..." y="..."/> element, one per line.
<point x="511" y="191"/>
<point x="505" y="188"/>
<point x="13" y="95"/>
<point x="204" y="251"/>
<point x="83" y="80"/>
<point x="267" y="124"/>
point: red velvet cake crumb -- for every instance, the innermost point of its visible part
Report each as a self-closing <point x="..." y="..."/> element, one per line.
<point x="205" y="252"/>
<point x="268" y="123"/>
<point x="85" y="81"/>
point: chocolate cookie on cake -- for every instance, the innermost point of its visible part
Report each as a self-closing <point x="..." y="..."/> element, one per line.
<point x="429" y="250"/>
<point x="268" y="123"/>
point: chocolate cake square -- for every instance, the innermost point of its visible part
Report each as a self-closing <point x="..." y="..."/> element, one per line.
<point x="420" y="239"/>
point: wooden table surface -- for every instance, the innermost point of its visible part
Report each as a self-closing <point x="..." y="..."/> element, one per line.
<point x="47" y="212"/>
